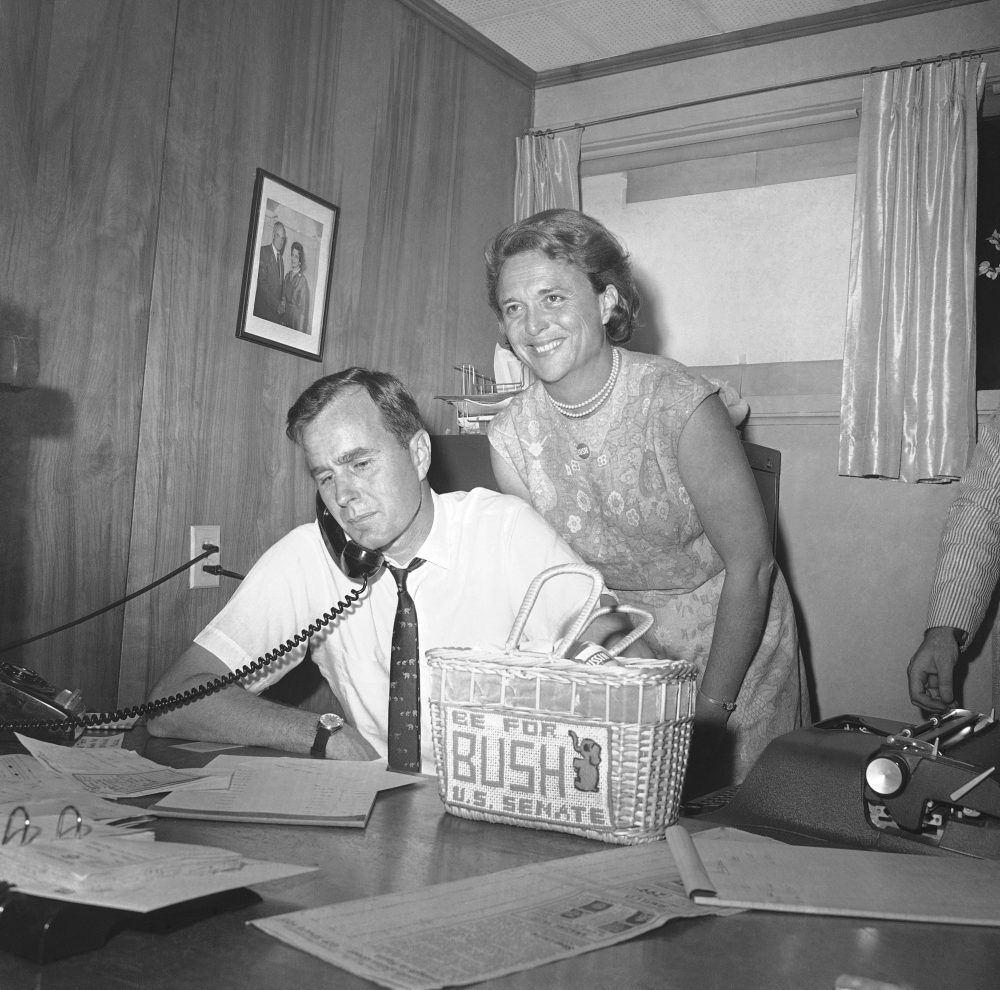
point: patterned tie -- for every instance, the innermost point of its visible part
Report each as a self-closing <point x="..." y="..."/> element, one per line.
<point x="404" y="679"/>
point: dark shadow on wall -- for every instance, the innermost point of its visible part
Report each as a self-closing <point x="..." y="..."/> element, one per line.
<point x="801" y="627"/>
<point x="651" y="334"/>
<point x="27" y="412"/>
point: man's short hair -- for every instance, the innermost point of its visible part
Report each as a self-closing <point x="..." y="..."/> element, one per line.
<point x="400" y="413"/>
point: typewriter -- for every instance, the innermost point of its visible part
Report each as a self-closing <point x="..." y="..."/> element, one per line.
<point x="864" y="782"/>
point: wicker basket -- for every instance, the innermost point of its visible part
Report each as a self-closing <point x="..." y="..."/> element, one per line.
<point x="534" y="739"/>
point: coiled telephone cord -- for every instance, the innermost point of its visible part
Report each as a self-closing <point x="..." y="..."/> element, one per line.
<point x="91" y="720"/>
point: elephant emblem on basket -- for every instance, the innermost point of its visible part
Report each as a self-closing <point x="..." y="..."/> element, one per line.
<point x="587" y="764"/>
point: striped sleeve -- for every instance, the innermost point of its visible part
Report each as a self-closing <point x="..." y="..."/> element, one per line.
<point x="968" y="564"/>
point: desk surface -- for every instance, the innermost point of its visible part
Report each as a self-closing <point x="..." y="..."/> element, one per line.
<point x="411" y="842"/>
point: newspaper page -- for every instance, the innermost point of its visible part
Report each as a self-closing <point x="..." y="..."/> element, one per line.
<point x="470" y="930"/>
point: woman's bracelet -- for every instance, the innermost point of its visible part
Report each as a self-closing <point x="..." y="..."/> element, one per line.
<point x="728" y="706"/>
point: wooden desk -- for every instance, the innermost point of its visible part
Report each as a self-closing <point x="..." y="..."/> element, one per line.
<point x="411" y="842"/>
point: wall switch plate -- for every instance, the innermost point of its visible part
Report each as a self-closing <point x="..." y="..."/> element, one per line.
<point x="198" y="577"/>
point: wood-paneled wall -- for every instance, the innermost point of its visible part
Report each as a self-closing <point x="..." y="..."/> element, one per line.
<point x="131" y="237"/>
<point x="89" y="121"/>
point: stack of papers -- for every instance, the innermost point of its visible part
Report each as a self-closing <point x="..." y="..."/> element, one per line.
<point x="286" y="791"/>
<point x="278" y="790"/>
<point x="106" y="772"/>
<point x="69" y="841"/>
<point x="130" y="875"/>
<point x="66" y="840"/>
<point x="106" y="864"/>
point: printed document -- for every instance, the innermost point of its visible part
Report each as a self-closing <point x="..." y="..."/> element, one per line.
<point x="483" y="927"/>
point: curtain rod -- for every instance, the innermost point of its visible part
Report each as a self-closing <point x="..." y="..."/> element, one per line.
<point x="762" y="90"/>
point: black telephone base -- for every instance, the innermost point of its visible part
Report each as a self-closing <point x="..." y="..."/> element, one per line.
<point x="43" y="930"/>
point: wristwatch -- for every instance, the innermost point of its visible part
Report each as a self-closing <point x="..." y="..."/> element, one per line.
<point x="327" y="725"/>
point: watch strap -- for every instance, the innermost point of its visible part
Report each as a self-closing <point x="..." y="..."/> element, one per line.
<point x="326" y="726"/>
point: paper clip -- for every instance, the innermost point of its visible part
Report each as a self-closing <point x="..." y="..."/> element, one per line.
<point x="10" y="831"/>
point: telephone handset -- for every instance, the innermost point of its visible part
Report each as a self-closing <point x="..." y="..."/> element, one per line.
<point x="353" y="559"/>
<point x="32" y="706"/>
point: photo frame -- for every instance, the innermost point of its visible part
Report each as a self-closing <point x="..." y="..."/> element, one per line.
<point x="288" y="268"/>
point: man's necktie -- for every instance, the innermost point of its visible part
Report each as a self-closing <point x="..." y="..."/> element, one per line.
<point x="404" y="679"/>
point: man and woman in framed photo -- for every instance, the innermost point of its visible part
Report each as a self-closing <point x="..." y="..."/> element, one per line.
<point x="285" y="293"/>
<point x="283" y="296"/>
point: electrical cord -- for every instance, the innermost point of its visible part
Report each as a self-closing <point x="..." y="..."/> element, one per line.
<point x="209" y="549"/>
<point x="217" y="569"/>
<point x="91" y="720"/>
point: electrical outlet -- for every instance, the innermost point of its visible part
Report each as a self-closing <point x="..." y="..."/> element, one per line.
<point x="199" y="536"/>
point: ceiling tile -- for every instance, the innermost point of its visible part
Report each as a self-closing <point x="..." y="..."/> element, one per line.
<point x="552" y="34"/>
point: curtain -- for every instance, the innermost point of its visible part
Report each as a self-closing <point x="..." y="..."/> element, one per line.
<point x="548" y="171"/>
<point x="908" y="407"/>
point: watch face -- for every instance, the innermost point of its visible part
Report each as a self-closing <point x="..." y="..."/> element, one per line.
<point x="331" y="722"/>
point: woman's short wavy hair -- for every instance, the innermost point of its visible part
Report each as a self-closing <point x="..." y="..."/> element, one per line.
<point x="581" y="241"/>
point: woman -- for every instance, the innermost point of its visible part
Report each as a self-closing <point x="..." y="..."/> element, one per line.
<point x="635" y="462"/>
<point x="295" y="291"/>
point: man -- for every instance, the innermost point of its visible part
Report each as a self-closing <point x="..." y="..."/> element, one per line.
<point x="369" y="453"/>
<point x="268" y="304"/>
<point x="965" y="577"/>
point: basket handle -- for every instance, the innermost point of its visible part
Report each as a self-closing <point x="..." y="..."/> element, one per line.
<point x="532" y="593"/>
<point x="626" y="641"/>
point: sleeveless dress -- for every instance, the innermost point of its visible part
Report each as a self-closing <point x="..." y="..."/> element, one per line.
<point x="610" y="486"/>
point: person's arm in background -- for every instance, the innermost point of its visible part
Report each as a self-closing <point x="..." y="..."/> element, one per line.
<point x="966" y="573"/>
<point x="718" y="478"/>
<point x="236" y="715"/>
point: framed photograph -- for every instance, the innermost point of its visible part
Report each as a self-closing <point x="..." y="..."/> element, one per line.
<point x="288" y="268"/>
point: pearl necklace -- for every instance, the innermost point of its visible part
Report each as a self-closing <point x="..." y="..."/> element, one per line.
<point x="580" y="410"/>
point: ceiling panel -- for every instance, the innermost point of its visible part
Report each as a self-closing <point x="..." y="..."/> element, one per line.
<point x="546" y="35"/>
